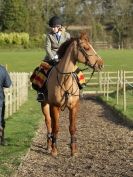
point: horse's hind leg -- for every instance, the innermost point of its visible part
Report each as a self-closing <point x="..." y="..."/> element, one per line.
<point x="55" y="128"/>
<point x="46" y="113"/>
<point x="72" y="128"/>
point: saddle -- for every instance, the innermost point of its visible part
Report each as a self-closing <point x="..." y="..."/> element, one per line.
<point x="40" y="75"/>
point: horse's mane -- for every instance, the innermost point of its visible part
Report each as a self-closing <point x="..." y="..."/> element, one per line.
<point x="62" y="49"/>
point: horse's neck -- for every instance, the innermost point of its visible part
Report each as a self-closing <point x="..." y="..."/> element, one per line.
<point x="67" y="63"/>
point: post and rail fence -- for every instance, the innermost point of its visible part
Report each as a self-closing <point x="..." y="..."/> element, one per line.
<point x="107" y="82"/>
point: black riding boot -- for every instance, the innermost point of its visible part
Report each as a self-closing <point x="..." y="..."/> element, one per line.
<point x="3" y="138"/>
<point x="2" y="141"/>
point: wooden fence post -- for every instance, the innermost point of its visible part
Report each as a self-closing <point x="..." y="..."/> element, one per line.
<point x="100" y="80"/>
<point x="104" y="84"/>
<point x="117" y="91"/>
<point x="107" y="86"/>
<point x="124" y="92"/>
<point x="121" y="78"/>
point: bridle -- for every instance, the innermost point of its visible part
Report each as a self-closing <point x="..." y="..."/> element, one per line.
<point x="86" y="55"/>
<point x="87" y="62"/>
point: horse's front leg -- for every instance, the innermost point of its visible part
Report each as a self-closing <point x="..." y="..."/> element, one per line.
<point x="72" y="128"/>
<point x="46" y="113"/>
<point x="55" y="128"/>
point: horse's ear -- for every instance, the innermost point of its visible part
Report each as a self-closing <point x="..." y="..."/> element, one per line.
<point x="84" y="36"/>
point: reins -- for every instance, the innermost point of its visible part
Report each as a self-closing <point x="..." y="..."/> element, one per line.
<point x="67" y="92"/>
<point x="86" y="55"/>
<point x="66" y="73"/>
<point x="62" y="72"/>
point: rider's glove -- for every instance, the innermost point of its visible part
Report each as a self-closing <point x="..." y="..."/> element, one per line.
<point x="56" y="59"/>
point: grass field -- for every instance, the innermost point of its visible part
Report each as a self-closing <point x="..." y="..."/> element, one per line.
<point x="21" y="60"/>
<point x="117" y="59"/>
<point x="26" y="60"/>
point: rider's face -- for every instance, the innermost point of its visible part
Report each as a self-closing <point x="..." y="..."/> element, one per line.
<point x="56" y="29"/>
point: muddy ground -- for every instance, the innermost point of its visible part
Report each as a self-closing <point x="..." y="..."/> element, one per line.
<point x="105" y="147"/>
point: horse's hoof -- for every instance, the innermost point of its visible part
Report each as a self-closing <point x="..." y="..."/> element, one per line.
<point x="54" y="153"/>
<point x="49" y="149"/>
<point x="74" y="149"/>
<point x="49" y="145"/>
<point x="75" y="154"/>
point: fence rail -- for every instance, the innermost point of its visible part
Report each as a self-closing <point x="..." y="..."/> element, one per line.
<point x="101" y="83"/>
<point x="17" y="94"/>
<point x="109" y="82"/>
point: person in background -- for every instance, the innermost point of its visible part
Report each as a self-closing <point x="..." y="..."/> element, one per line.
<point x="5" y="82"/>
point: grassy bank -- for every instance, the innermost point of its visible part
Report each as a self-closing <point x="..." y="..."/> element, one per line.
<point x="20" y="129"/>
<point x="128" y="114"/>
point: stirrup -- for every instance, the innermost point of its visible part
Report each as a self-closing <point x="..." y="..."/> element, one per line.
<point x="81" y="86"/>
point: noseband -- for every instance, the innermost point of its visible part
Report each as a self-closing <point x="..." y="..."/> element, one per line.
<point x="86" y="55"/>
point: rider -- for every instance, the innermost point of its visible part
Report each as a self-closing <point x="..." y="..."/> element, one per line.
<point x="54" y="39"/>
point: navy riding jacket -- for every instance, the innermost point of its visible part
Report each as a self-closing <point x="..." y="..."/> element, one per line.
<point x="5" y="82"/>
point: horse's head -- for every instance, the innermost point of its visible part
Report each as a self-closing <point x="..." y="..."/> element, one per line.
<point x="86" y="54"/>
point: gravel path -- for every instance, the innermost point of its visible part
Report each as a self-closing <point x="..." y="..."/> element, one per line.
<point x="104" y="147"/>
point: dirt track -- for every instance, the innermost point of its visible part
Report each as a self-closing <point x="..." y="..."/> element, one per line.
<point x="104" y="147"/>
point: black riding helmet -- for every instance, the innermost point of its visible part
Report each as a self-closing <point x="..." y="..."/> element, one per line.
<point x="54" y="21"/>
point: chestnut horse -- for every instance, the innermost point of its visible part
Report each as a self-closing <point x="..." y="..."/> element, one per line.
<point x="63" y="90"/>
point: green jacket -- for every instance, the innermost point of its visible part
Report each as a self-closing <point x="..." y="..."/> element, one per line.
<point x="52" y="44"/>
